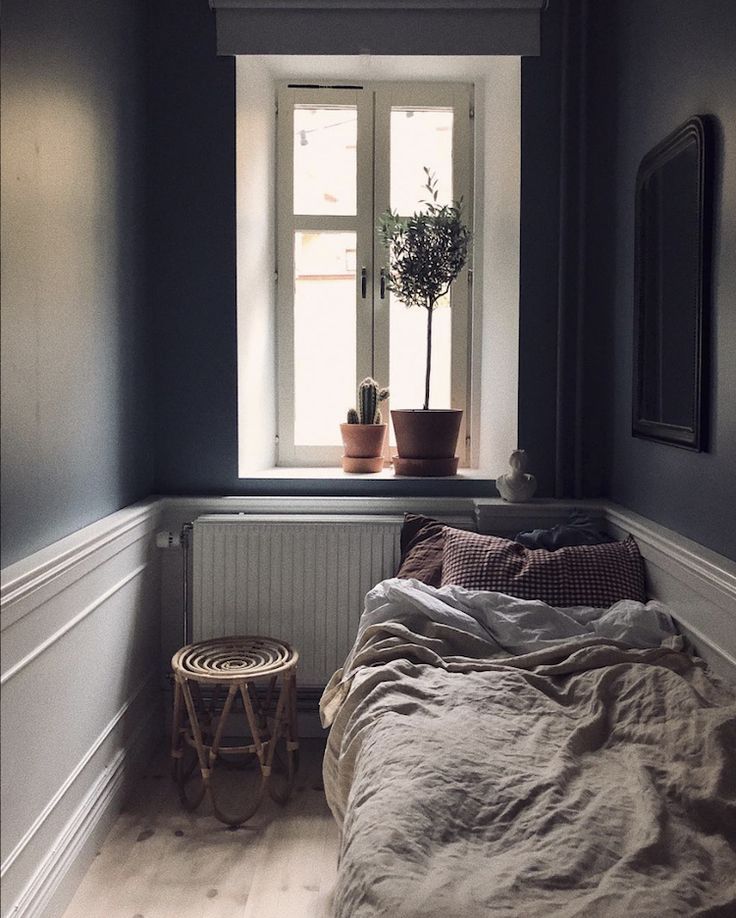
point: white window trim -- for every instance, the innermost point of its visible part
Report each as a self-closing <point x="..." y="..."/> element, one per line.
<point x="372" y="319"/>
<point x="289" y="454"/>
<point x="494" y="373"/>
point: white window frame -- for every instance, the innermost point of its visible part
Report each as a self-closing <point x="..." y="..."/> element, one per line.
<point x="496" y="249"/>
<point x="373" y="192"/>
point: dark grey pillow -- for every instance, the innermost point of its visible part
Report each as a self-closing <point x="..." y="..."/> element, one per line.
<point x="578" y="530"/>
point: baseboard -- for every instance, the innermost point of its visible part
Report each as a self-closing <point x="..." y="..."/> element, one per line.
<point x="60" y="872"/>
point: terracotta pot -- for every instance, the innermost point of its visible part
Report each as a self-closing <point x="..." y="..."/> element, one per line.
<point x="363" y="447"/>
<point x="426" y="440"/>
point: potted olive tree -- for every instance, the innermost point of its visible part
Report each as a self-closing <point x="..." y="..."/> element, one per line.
<point x="427" y="252"/>
<point x="364" y="434"/>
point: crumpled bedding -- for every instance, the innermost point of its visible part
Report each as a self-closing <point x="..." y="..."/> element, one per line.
<point x="494" y="756"/>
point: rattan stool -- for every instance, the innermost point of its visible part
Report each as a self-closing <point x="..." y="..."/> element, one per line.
<point x="203" y="673"/>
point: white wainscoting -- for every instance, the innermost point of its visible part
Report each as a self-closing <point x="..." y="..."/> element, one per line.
<point x="89" y="625"/>
<point x="698" y="584"/>
<point x="80" y="627"/>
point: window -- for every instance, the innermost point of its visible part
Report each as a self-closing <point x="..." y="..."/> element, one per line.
<point x="345" y="154"/>
<point x="492" y="414"/>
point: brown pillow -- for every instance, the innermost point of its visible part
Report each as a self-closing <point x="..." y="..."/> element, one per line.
<point x="422" y="541"/>
<point x="581" y="575"/>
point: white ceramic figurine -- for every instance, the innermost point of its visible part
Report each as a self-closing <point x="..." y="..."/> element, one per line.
<point x="516" y="485"/>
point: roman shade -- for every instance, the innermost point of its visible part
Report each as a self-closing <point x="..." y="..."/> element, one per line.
<point x="436" y="27"/>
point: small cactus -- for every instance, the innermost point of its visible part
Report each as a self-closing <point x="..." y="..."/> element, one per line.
<point x="369" y="395"/>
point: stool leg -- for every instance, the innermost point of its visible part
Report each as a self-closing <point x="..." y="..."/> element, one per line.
<point x="278" y="725"/>
<point x="215" y="747"/>
<point x="204" y="717"/>
<point x="177" y="745"/>
<point x="269" y="698"/>
<point x="284" y="727"/>
<point x="179" y="773"/>
<point x="227" y="818"/>
<point x="254" y="726"/>
<point x="176" y="749"/>
<point x="293" y="719"/>
<point x="201" y="753"/>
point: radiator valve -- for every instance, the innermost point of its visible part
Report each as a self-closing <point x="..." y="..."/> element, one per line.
<point x="168" y="539"/>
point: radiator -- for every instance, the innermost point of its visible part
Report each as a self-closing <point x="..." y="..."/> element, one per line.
<point x="299" y="578"/>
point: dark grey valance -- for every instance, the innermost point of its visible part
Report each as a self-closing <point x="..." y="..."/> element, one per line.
<point x="395" y="27"/>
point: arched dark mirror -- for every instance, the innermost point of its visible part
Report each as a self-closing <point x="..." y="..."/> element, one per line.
<point x="673" y="217"/>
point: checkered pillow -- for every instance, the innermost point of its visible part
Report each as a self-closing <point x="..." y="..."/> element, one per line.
<point x="581" y="575"/>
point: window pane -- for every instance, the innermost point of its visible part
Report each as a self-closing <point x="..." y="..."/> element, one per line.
<point x="408" y="358"/>
<point x="325" y="159"/>
<point x="324" y="335"/>
<point x="419" y="137"/>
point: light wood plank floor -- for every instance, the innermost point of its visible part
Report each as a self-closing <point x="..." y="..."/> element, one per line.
<point x="160" y="861"/>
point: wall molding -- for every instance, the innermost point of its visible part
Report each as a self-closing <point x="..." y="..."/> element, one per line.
<point x="98" y="805"/>
<point x="51" y="853"/>
<point x="94" y="594"/>
<point x="490" y="514"/>
<point x="72" y="623"/>
<point x="195" y="506"/>
<point x="699" y="584"/>
<point x="51" y="569"/>
<point x="717" y="571"/>
<point x="148" y="683"/>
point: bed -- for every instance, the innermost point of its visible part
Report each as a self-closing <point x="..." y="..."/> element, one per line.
<point x="492" y="754"/>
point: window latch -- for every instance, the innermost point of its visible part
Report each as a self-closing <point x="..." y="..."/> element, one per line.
<point x="363" y="282"/>
<point x="383" y="284"/>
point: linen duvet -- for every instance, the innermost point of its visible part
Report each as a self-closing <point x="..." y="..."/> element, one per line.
<point x="496" y="756"/>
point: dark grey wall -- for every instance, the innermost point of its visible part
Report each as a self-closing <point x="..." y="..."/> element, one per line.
<point x="192" y="248"/>
<point x="541" y="107"/>
<point x="664" y="63"/>
<point x="75" y="341"/>
<point x="396" y="29"/>
<point x="83" y="268"/>
<point x="193" y="241"/>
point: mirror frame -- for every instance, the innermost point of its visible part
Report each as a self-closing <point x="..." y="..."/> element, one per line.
<point x="692" y="436"/>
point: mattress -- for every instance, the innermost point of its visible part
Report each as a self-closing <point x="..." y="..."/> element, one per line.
<point x="493" y="756"/>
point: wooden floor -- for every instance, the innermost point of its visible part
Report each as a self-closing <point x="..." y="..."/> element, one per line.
<point x="161" y="862"/>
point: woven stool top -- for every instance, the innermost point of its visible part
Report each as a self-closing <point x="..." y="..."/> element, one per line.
<point x="223" y="659"/>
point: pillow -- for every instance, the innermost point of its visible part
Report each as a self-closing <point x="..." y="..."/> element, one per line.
<point x="583" y="575"/>
<point x="578" y="530"/>
<point x="422" y="541"/>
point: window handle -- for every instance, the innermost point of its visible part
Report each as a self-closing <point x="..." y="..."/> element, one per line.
<point x="383" y="284"/>
<point x="363" y="282"/>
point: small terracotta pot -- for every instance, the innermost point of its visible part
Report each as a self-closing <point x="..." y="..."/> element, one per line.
<point x="363" y="447"/>
<point x="426" y="440"/>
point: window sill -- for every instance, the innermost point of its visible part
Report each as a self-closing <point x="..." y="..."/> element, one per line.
<point x="337" y="474"/>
